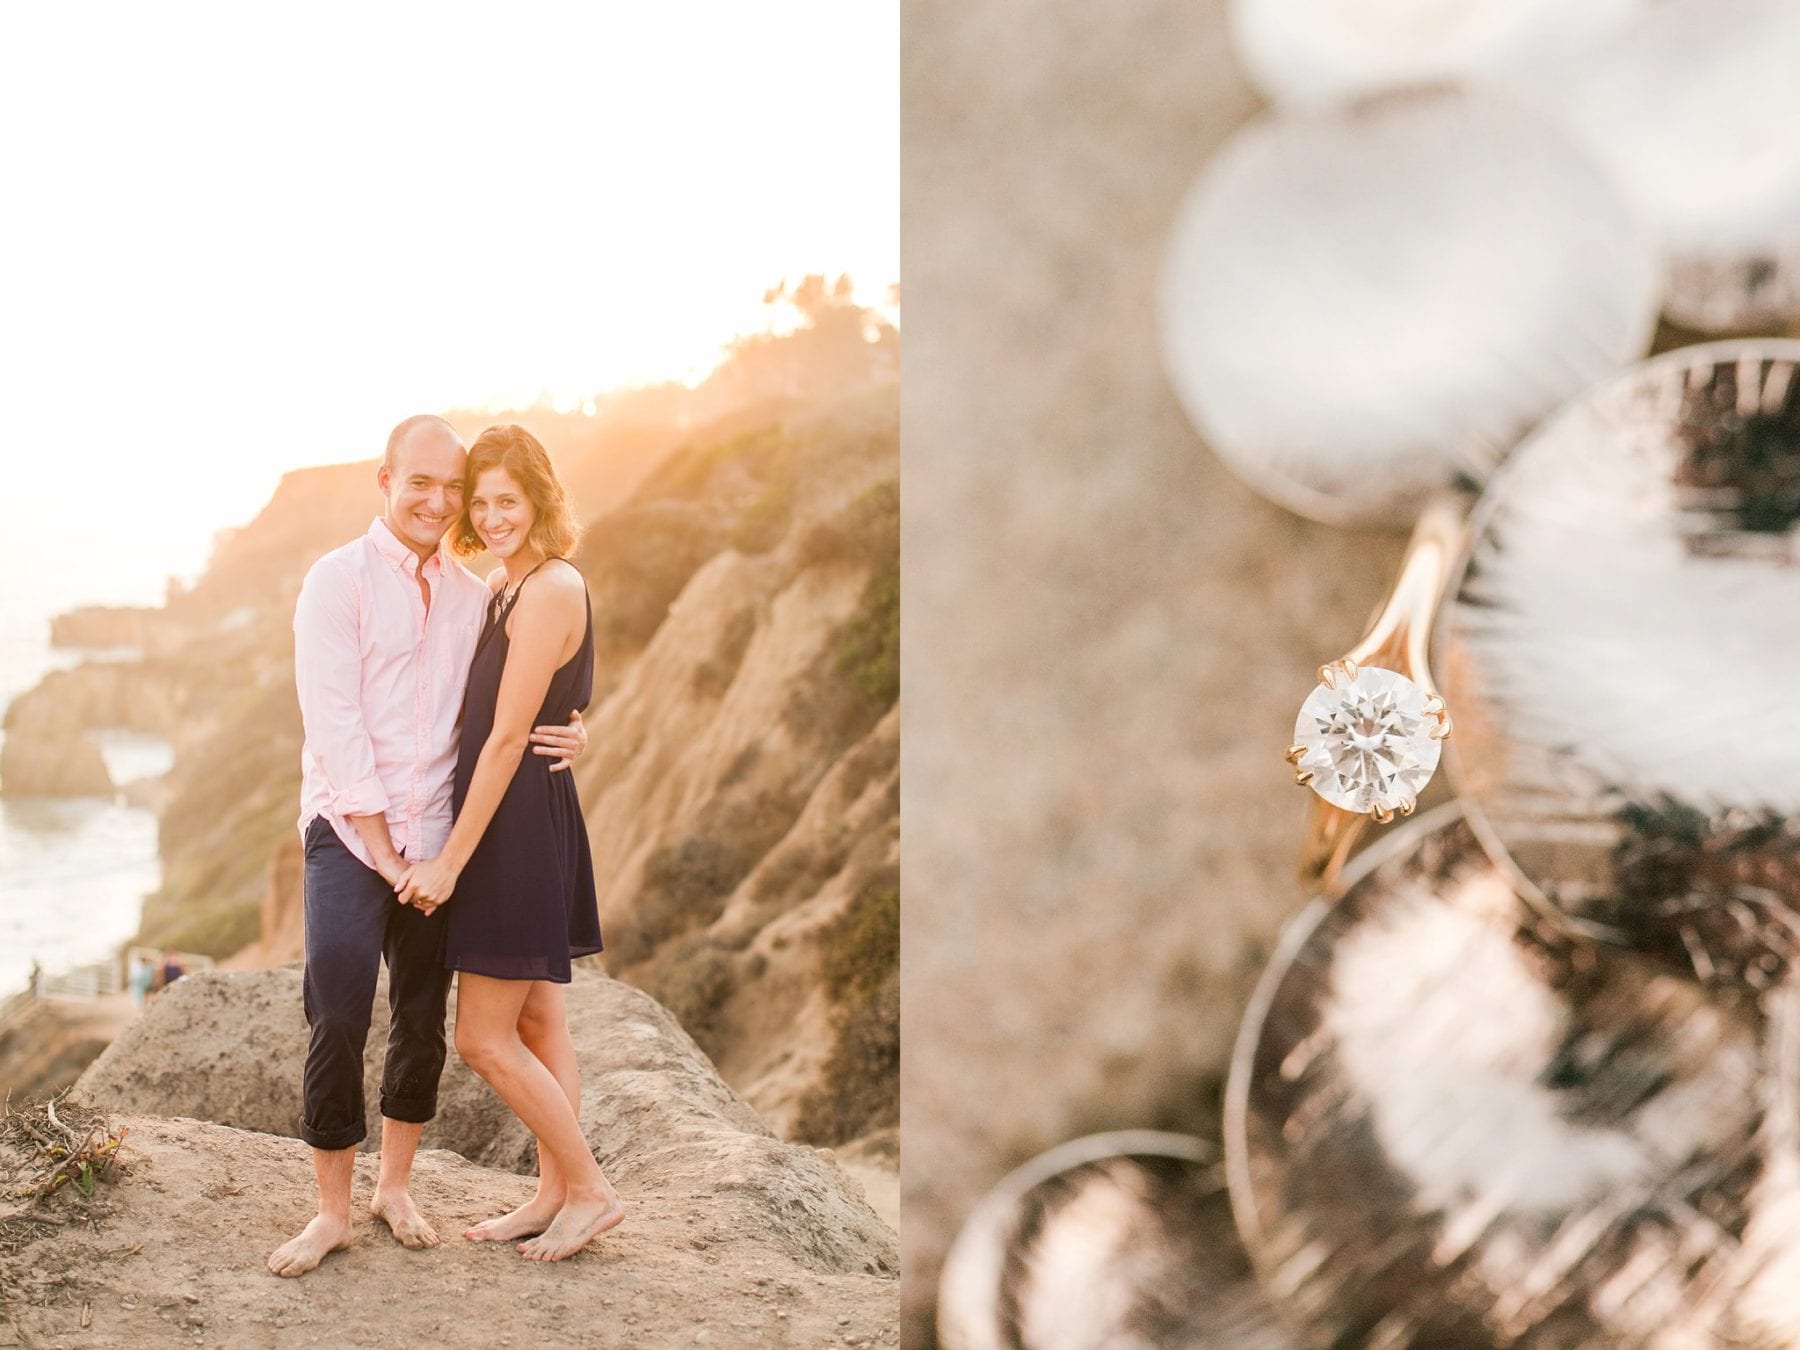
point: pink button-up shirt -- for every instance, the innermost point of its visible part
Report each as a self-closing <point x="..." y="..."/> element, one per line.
<point x="381" y="688"/>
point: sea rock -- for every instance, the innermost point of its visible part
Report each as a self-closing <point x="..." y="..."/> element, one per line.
<point x="147" y="696"/>
<point x="40" y="763"/>
<point x="103" y="626"/>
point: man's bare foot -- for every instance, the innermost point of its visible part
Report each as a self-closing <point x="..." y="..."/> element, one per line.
<point x="528" y="1220"/>
<point x="576" y="1224"/>
<point x="397" y="1210"/>
<point x="317" y="1240"/>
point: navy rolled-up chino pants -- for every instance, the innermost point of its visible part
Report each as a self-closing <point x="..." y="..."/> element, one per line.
<point x="353" y="922"/>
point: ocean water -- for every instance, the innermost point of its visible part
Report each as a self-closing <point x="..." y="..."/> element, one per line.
<point x="73" y="871"/>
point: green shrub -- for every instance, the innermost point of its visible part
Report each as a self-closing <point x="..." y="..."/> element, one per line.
<point x="693" y="982"/>
<point x="860" y="1090"/>
<point x="859" y="965"/>
<point x="866" y="532"/>
<point x="766" y="519"/>
<point x="868" y="653"/>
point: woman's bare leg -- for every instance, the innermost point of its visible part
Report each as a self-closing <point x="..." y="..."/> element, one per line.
<point x="487" y="1037"/>
<point x="544" y="1028"/>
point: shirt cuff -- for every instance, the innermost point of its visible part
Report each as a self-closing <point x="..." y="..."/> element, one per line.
<point x="366" y="797"/>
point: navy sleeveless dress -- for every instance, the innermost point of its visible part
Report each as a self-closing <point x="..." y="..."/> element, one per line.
<point x="524" y="905"/>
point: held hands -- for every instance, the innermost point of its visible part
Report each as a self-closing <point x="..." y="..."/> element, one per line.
<point x="428" y="884"/>
<point x="563" y="743"/>
<point x="392" y="869"/>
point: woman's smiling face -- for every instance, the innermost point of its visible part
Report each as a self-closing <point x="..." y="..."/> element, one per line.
<point x="501" y="512"/>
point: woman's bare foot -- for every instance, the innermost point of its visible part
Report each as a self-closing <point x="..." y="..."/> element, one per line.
<point x="576" y="1224"/>
<point x="397" y="1210"/>
<point x="323" y="1236"/>
<point x="528" y="1220"/>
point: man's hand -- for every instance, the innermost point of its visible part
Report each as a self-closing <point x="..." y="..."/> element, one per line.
<point x="563" y="743"/>
<point x="429" y="884"/>
<point x="392" y="868"/>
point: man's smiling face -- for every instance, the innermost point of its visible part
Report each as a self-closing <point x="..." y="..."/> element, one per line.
<point x="424" y="487"/>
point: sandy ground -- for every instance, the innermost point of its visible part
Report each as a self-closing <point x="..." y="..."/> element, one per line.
<point x="173" y="1255"/>
<point x="734" y="1236"/>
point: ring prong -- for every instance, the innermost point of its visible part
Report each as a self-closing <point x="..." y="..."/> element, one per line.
<point x="1408" y="805"/>
<point x="1434" y="705"/>
<point x="1294" y="752"/>
<point x="1441" y="731"/>
<point x="1304" y="777"/>
<point x="1328" y="677"/>
<point x="1349" y="668"/>
<point x="1382" y="814"/>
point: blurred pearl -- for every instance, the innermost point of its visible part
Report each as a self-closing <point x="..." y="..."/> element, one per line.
<point x="1298" y="51"/>
<point x="1696" y="106"/>
<point x="1362" y="306"/>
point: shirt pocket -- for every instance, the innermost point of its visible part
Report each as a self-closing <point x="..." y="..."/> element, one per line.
<point x="454" y="647"/>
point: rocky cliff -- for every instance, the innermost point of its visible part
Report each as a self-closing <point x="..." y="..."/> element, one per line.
<point x="741" y="783"/>
<point x="742" y="786"/>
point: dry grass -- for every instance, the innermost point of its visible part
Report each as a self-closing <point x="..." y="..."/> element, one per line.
<point x="49" y="1148"/>
<point x="48" y="1145"/>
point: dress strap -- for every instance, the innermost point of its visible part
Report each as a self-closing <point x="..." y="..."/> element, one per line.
<point x="505" y="599"/>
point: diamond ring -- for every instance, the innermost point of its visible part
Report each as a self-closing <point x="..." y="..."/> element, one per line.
<point x="1369" y="735"/>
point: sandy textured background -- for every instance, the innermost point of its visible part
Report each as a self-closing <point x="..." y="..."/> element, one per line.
<point x="1106" y="636"/>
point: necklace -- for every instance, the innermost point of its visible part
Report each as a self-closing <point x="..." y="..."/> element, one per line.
<point x="504" y="597"/>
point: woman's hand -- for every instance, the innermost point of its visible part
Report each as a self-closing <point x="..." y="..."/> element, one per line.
<point x="429" y="884"/>
<point x="564" y="743"/>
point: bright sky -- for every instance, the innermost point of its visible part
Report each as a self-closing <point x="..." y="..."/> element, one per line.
<point x="239" y="239"/>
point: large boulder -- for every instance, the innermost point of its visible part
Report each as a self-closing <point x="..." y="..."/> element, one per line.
<point x="228" y="1047"/>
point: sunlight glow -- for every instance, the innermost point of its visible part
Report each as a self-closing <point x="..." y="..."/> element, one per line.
<point x="240" y="240"/>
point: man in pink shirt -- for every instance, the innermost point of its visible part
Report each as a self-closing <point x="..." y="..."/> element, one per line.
<point x="383" y="634"/>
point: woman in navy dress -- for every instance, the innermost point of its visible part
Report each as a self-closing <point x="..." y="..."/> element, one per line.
<point x="516" y="871"/>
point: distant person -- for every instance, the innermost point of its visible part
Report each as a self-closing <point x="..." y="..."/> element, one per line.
<point x="172" y="968"/>
<point x="143" y="975"/>
<point x="383" y="634"/>
<point x="516" y="871"/>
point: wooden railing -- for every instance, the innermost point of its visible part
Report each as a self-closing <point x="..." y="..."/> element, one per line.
<point x="96" y="979"/>
<point x="16" y="1006"/>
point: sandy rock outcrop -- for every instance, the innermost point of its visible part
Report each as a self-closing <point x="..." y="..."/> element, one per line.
<point x="175" y="1256"/>
<point x="739" y="786"/>
<point x="282" y="932"/>
<point x="140" y="695"/>
<point x="776" y="1030"/>
<point x="228" y="1047"/>
<point x="694" y="772"/>
<point x="104" y="626"/>
<point x="38" y="763"/>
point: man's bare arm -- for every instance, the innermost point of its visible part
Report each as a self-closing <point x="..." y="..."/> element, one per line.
<point x="375" y="836"/>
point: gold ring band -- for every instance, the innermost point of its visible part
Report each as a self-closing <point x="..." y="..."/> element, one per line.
<point x="1397" y="642"/>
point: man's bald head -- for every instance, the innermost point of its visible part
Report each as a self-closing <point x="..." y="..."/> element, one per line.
<point x="422" y="427"/>
<point x="421" y="481"/>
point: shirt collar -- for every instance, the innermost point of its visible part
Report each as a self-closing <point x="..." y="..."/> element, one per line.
<point x="390" y="546"/>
